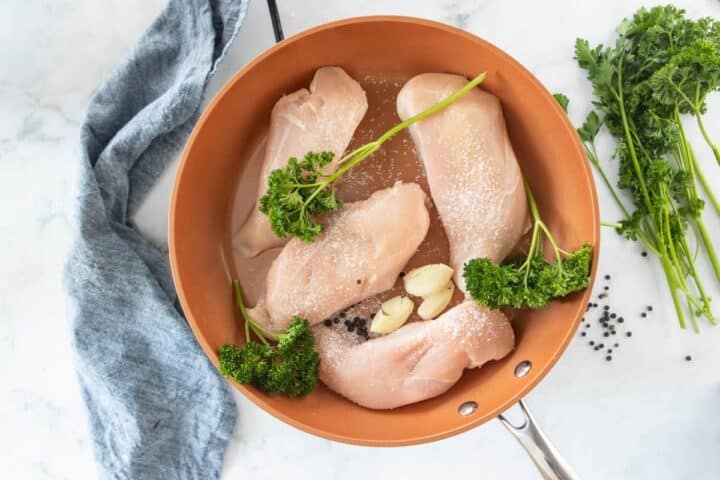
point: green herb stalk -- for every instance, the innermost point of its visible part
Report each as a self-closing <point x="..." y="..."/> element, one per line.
<point x="529" y="281"/>
<point x="661" y="67"/>
<point x="290" y="367"/>
<point x="301" y="191"/>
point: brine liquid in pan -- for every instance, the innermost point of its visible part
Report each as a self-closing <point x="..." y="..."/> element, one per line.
<point x="395" y="161"/>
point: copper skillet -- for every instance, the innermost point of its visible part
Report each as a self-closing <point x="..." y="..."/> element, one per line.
<point x="550" y="156"/>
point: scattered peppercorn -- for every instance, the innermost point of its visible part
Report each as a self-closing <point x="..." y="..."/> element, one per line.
<point x="609" y="350"/>
<point x="606" y="307"/>
<point x="621" y="320"/>
<point x="613" y="315"/>
<point x="358" y="281"/>
<point x="591" y="343"/>
<point x="582" y="334"/>
<point x="327" y="322"/>
<point x="688" y="358"/>
<point x="644" y="254"/>
<point x="628" y="334"/>
<point x="608" y="358"/>
<point x="616" y="345"/>
<point x="649" y="308"/>
<point x="606" y="288"/>
<point x="643" y="314"/>
<point x="606" y="334"/>
<point x="336" y="320"/>
<point x="603" y="295"/>
<point x="402" y="274"/>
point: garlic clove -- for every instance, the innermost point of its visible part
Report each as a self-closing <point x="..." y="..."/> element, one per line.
<point x="428" y="279"/>
<point x="392" y="315"/>
<point x="434" y="304"/>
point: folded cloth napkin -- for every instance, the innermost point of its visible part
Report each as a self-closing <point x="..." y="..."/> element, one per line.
<point x="157" y="407"/>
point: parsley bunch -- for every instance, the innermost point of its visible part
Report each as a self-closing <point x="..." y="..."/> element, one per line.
<point x="290" y="367"/>
<point x="301" y="191"/>
<point x="662" y="66"/>
<point x="529" y="281"/>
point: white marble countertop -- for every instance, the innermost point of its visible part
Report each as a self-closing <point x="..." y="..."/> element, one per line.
<point x="648" y="414"/>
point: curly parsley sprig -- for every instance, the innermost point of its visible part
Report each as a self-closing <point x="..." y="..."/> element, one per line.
<point x="662" y="66"/>
<point x="301" y="191"/>
<point x="529" y="281"/>
<point x="290" y="367"/>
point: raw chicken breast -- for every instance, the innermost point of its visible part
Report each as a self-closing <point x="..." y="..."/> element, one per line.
<point x="361" y="252"/>
<point x="418" y="361"/>
<point x="474" y="178"/>
<point x="321" y="119"/>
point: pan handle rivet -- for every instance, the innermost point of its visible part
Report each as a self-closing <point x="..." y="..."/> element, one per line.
<point x="523" y="368"/>
<point x="467" y="408"/>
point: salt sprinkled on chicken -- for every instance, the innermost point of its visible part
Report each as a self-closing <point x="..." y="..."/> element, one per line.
<point x="420" y="360"/>
<point x="472" y="172"/>
<point x="360" y="253"/>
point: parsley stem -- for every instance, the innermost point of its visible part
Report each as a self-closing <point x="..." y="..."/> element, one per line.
<point x="257" y="329"/>
<point x="434" y="108"/>
<point x="705" y="185"/>
<point x="691" y="163"/>
<point x="705" y="135"/>
<point x="709" y="248"/>
<point x="670" y="275"/>
<point x="361" y="153"/>
<point x="593" y="157"/>
<point x="629" y="140"/>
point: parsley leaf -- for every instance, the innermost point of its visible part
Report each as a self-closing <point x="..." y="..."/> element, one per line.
<point x="529" y="281"/>
<point x="291" y="367"/>
<point x="563" y="100"/>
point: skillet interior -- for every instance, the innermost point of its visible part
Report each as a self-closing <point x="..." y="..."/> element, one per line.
<point x="547" y="148"/>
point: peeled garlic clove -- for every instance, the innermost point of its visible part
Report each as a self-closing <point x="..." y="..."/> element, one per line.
<point x="428" y="279"/>
<point x="435" y="303"/>
<point x="392" y="315"/>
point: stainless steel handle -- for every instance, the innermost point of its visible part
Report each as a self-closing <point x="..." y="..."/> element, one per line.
<point x="551" y="465"/>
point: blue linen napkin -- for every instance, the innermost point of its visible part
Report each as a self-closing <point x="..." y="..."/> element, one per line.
<point x="158" y="409"/>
